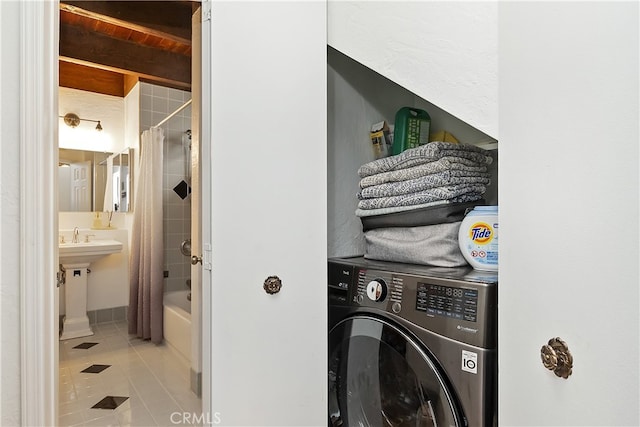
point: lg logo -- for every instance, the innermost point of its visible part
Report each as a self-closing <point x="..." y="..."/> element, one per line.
<point x="469" y="361"/>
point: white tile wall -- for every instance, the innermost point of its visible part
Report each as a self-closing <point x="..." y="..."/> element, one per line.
<point x="156" y="103"/>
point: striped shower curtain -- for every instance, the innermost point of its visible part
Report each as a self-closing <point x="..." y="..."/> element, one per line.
<point x="146" y="257"/>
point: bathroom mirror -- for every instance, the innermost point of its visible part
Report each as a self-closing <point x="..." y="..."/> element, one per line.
<point x="121" y="182"/>
<point x="85" y="177"/>
<point x="82" y="177"/>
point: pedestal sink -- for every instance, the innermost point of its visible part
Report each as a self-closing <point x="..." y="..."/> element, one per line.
<point x="76" y="259"/>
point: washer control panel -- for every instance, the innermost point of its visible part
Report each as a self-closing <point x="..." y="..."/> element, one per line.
<point x="448" y="301"/>
<point x="378" y="289"/>
<point x="458" y="303"/>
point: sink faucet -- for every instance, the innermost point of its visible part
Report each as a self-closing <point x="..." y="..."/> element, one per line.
<point x="76" y="233"/>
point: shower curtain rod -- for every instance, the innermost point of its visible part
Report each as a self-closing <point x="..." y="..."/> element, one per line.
<point x="166" y="119"/>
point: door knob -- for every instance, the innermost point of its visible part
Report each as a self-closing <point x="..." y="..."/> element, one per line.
<point x="556" y="357"/>
<point x="196" y="259"/>
<point x="272" y="285"/>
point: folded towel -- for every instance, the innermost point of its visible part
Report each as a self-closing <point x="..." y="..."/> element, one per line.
<point x="466" y="198"/>
<point x="424" y="154"/>
<point x="431" y="215"/>
<point x="440" y="179"/>
<point x="435" y="245"/>
<point x="456" y="165"/>
<point x="460" y="193"/>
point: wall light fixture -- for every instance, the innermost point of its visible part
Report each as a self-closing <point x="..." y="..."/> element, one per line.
<point x="72" y="120"/>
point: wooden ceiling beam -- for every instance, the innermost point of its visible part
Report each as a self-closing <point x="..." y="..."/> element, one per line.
<point x="81" y="46"/>
<point x="90" y="79"/>
<point x="168" y="19"/>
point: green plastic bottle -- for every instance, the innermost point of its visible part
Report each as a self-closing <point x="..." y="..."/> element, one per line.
<point x="411" y="129"/>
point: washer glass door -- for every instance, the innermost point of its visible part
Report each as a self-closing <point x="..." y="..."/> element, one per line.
<point x="379" y="376"/>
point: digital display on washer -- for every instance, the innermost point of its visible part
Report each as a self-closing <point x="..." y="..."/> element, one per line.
<point x="447" y="301"/>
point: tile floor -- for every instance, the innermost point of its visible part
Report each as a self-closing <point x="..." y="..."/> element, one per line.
<point x="146" y="383"/>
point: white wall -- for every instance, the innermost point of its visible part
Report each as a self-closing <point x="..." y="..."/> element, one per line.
<point x="132" y="140"/>
<point x="132" y="118"/>
<point x="445" y="52"/>
<point x="112" y="272"/>
<point x="94" y="106"/>
<point x="9" y="215"/>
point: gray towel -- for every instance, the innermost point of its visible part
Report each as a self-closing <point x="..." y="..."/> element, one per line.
<point x="435" y="245"/>
<point x="461" y="193"/>
<point x="424" y="154"/>
<point x="396" y="209"/>
<point x="440" y="179"/>
<point x="455" y="165"/>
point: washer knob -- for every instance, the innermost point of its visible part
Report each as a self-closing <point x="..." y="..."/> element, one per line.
<point x="377" y="290"/>
<point x="396" y="307"/>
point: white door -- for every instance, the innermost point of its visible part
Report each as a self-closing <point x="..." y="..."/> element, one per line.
<point x="200" y="217"/>
<point x="569" y="211"/>
<point x="81" y="186"/>
<point x="268" y="166"/>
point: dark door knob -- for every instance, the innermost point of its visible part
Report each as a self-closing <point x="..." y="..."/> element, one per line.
<point x="272" y="285"/>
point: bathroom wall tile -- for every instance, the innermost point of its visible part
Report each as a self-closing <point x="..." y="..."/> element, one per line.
<point x="175" y="142"/>
<point x="172" y="246"/>
<point x="146" y="88"/>
<point x="177" y="168"/>
<point x="173" y="255"/>
<point x="119" y="313"/>
<point x="160" y="105"/>
<point x="174" y="211"/>
<point x="93" y="317"/>
<point x="173" y="225"/>
<point x="186" y="122"/>
<point x="176" y="268"/>
<point x="160" y="91"/>
<point x="146" y="102"/>
<point x="174" y="104"/>
<point x="176" y="284"/>
<point x="175" y="94"/>
<point x="104" y="315"/>
<point x="146" y="118"/>
<point x="158" y="117"/>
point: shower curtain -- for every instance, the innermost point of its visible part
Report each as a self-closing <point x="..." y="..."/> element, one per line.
<point x="146" y="257"/>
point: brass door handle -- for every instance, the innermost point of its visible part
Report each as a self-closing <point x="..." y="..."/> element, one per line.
<point x="556" y="357"/>
<point x="196" y="259"/>
<point x="272" y="285"/>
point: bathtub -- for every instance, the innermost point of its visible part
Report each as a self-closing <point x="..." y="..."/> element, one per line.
<point x="177" y="322"/>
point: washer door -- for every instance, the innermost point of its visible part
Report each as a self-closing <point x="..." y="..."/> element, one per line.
<point x="380" y="376"/>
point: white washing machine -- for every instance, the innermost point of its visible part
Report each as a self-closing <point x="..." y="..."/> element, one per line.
<point x="411" y="345"/>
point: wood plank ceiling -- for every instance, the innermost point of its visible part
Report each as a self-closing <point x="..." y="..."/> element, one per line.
<point x="107" y="46"/>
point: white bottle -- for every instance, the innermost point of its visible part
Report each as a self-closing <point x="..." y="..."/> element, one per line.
<point x="478" y="238"/>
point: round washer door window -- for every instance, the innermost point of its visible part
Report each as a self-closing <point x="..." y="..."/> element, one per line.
<point x="379" y="376"/>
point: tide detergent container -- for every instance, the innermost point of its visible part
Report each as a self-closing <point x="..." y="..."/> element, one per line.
<point x="478" y="238"/>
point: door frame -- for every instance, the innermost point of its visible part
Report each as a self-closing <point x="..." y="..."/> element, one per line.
<point x="39" y="28"/>
<point x="39" y="39"/>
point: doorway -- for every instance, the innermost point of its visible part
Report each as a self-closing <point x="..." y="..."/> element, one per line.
<point x="42" y="410"/>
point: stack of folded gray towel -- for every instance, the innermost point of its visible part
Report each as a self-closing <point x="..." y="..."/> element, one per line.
<point x="422" y="179"/>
